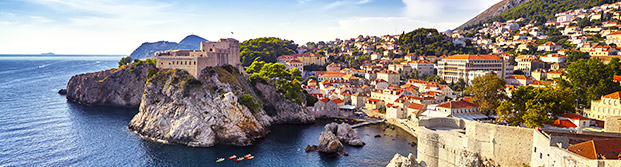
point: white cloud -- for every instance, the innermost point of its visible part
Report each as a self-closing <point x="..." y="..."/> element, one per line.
<point x="383" y="25"/>
<point x="41" y="19"/>
<point x="440" y="8"/>
<point x="340" y="3"/>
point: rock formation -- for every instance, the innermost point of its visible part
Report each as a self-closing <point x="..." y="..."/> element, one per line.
<point x="401" y="161"/>
<point x="329" y="143"/>
<point x="344" y="133"/>
<point x="177" y="108"/>
<point x="121" y="87"/>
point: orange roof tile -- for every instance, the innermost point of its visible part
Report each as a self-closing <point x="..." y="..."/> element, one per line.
<point x="473" y="57"/>
<point x="614" y="95"/>
<point x="456" y="104"/>
<point x="574" y="116"/>
<point x="590" y="149"/>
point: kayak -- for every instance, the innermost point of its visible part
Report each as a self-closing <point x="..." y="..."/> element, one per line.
<point x="250" y="157"/>
<point x="220" y="160"/>
<point x="240" y="159"/>
<point x="233" y="157"/>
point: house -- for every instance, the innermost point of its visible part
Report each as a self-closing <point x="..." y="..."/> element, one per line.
<point x="391" y="76"/>
<point x="608" y="105"/>
<point x="326" y="107"/>
<point x="554" y="58"/>
<point x="415" y="109"/>
<point x="455" y="67"/>
<point x="358" y="99"/>
<point x="395" y="111"/>
<point x="519" y="80"/>
<point x="549" y="47"/>
<point x="539" y="74"/>
<point x="423" y="67"/>
<point x="598" y="149"/>
<point x="527" y="65"/>
<point x="578" y="120"/>
<point x="333" y="67"/>
<point x="603" y="51"/>
<point x="556" y="74"/>
<point x="460" y="109"/>
<point x="614" y="38"/>
<point x="372" y="104"/>
<point x="295" y="63"/>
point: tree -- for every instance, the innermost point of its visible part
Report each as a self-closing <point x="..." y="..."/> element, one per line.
<point x="535" y="107"/>
<point x="615" y="66"/>
<point x="125" y="61"/>
<point x="576" y="55"/>
<point x="590" y="79"/>
<point x="267" y="49"/>
<point x="487" y="91"/>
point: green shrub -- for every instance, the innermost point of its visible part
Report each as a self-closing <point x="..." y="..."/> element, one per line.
<point x="248" y="101"/>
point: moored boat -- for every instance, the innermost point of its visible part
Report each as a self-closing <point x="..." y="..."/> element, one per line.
<point x="220" y="160"/>
<point x="249" y="158"/>
<point x="240" y="159"/>
<point x="233" y="157"/>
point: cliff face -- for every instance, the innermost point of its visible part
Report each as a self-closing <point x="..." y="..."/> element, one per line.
<point x="493" y="11"/>
<point x="116" y="87"/>
<point x="176" y="108"/>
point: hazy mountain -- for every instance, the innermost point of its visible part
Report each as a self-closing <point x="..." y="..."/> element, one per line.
<point x="148" y="49"/>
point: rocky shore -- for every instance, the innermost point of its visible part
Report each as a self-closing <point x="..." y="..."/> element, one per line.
<point x="175" y="107"/>
<point x="121" y="87"/>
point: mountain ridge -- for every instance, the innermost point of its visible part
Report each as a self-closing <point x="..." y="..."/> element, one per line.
<point x="148" y="49"/>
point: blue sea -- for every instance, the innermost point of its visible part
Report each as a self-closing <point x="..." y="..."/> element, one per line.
<point x="38" y="127"/>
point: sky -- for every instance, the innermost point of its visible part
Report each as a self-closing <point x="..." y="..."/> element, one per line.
<point x="120" y="26"/>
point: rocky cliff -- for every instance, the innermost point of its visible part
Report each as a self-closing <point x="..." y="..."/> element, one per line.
<point x="401" y="161"/>
<point x="148" y="49"/>
<point x="122" y="87"/>
<point x="177" y="108"/>
<point x="493" y="11"/>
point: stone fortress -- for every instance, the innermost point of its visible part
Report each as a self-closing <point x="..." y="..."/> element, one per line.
<point x="211" y="54"/>
<point x="457" y="142"/>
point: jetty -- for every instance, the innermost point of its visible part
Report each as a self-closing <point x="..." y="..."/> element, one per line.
<point x="365" y="123"/>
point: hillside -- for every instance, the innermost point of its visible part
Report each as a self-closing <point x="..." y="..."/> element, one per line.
<point x="493" y="11"/>
<point x="148" y="49"/>
<point x="538" y="10"/>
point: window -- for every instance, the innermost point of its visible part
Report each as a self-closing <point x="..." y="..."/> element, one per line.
<point x="535" y="149"/>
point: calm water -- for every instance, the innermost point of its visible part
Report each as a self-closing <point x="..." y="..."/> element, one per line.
<point x="38" y="127"/>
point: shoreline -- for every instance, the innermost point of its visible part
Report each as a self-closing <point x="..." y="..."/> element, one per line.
<point x="399" y="124"/>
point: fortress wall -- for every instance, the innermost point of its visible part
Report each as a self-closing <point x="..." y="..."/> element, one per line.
<point x="453" y="146"/>
<point x="179" y="62"/>
<point x="613" y="124"/>
<point x="442" y="122"/>
<point x="506" y="145"/>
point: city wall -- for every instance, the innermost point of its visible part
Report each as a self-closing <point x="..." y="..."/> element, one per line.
<point x="455" y="142"/>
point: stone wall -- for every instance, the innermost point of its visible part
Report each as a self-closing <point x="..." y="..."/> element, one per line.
<point x="506" y="145"/>
<point x="445" y="142"/>
<point x="613" y="124"/>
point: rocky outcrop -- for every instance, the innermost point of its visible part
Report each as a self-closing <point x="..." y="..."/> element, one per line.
<point x="329" y="143"/>
<point x="493" y="11"/>
<point x="177" y="108"/>
<point x="121" y="87"/>
<point x="344" y="133"/>
<point x="282" y="110"/>
<point x="401" y="161"/>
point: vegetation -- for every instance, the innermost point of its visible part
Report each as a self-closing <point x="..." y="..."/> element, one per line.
<point x="535" y="107"/>
<point x="487" y="91"/>
<point x="248" y="101"/>
<point x="287" y="81"/>
<point x="576" y="56"/>
<point x="125" y="61"/>
<point x="541" y="10"/>
<point x="265" y="49"/>
<point x="460" y="85"/>
<point x="590" y="79"/>
<point x="138" y="62"/>
<point x="425" y="41"/>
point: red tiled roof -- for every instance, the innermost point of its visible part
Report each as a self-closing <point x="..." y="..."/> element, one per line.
<point x="616" y="78"/>
<point x="574" y="116"/>
<point x="564" y="124"/>
<point x="457" y="104"/>
<point x="337" y="100"/>
<point x="613" y="95"/>
<point x="325" y="100"/>
<point x="473" y="57"/>
<point x="590" y="149"/>
<point x="615" y="33"/>
<point x="416" y="106"/>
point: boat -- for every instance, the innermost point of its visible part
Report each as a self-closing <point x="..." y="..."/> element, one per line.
<point x="249" y="158"/>
<point x="233" y="157"/>
<point x="240" y="159"/>
<point x="249" y="155"/>
<point x="220" y="160"/>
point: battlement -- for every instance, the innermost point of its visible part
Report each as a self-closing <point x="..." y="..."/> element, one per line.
<point x="212" y="54"/>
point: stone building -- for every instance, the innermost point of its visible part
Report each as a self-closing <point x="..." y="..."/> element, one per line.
<point x="608" y="105"/>
<point x="211" y="54"/>
<point x="454" y="67"/>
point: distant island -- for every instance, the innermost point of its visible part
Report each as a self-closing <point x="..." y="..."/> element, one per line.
<point x="48" y="54"/>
